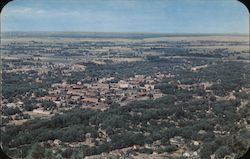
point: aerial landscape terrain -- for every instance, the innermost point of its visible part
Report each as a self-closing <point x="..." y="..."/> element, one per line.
<point x="125" y="95"/>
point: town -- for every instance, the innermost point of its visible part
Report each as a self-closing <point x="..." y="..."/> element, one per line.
<point x="103" y="95"/>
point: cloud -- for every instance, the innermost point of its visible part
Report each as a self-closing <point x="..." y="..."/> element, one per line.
<point x="23" y="12"/>
<point x="17" y="11"/>
<point x="32" y="12"/>
<point x="68" y="13"/>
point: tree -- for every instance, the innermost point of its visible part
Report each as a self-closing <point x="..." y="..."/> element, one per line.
<point x="49" y="154"/>
<point x="11" y="111"/>
<point x="222" y="152"/>
<point x="150" y="95"/>
<point x="207" y="150"/>
<point x="48" y="105"/>
<point x="146" y="151"/>
<point x="26" y="116"/>
<point x="166" y="88"/>
<point x="59" y="156"/>
<point x="37" y="151"/>
<point x="74" y="155"/>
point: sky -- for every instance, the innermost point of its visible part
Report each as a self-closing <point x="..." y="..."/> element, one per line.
<point x="154" y="16"/>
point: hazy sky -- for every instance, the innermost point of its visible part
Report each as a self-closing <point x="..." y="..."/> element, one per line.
<point x="166" y="16"/>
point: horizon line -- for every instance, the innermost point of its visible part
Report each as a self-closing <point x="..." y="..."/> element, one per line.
<point x="109" y="32"/>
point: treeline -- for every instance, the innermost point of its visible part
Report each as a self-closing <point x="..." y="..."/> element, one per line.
<point x="157" y="118"/>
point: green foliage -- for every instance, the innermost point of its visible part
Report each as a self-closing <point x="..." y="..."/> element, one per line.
<point x="167" y="148"/>
<point x="145" y="151"/>
<point x="177" y="113"/>
<point x="222" y="152"/>
<point x="48" y="105"/>
<point x="49" y="154"/>
<point x="37" y="151"/>
<point x="208" y="149"/>
<point x="166" y="88"/>
<point x="67" y="153"/>
<point x="243" y="95"/>
<point x="11" y="111"/>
